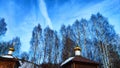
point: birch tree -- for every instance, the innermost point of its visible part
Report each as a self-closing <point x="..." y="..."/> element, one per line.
<point x="35" y="55"/>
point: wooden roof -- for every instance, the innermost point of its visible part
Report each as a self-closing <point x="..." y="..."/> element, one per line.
<point x="10" y="60"/>
<point x="79" y="59"/>
<point x="84" y="60"/>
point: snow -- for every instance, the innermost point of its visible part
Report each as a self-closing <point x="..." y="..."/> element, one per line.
<point x="27" y="65"/>
<point x="7" y="56"/>
<point x="66" y="61"/>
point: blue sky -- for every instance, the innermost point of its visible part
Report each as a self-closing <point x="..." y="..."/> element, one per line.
<point x="22" y="15"/>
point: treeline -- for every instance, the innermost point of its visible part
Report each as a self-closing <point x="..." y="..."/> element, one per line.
<point x="96" y="37"/>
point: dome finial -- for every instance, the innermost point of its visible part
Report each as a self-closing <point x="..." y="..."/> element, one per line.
<point x="11" y="49"/>
<point x="77" y="50"/>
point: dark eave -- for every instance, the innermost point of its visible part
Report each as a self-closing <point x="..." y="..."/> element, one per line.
<point x="83" y="60"/>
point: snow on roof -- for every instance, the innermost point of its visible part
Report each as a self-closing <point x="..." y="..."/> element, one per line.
<point x="66" y="61"/>
<point x="27" y="64"/>
<point x="79" y="59"/>
<point x="7" y="56"/>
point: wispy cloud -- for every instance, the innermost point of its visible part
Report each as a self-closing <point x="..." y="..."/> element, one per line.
<point x="44" y="12"/>
<point x="70" y="11"/>
<point x="108" y="8"/>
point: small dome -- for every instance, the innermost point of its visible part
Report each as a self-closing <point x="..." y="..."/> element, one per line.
<point x="77" y="48"/>
<point x="11" y="49"/>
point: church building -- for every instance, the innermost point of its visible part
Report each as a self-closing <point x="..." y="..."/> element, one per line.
<point x="78" y="61"/>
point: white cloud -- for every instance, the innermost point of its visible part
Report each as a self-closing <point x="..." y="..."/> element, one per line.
<point x="107" y="8"/>
<point x="44" y="12"/>
<point x="68" y="13"/>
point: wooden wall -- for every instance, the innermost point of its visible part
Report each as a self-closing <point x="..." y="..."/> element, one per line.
<point x="8" y="63"/>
